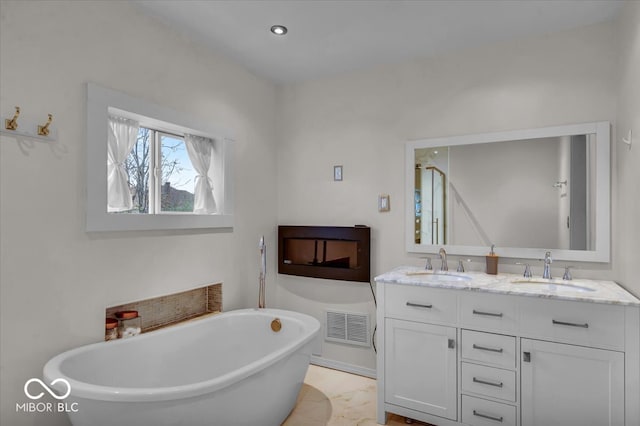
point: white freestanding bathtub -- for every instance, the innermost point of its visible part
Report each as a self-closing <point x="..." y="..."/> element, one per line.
<point x="229" y="369"/>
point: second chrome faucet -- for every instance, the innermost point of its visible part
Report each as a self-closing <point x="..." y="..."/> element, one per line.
<point x="443" y="256"/>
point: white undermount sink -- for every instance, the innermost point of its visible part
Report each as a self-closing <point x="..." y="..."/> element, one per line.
<point x="439" y="277"/>
<point x="552" y="285"/>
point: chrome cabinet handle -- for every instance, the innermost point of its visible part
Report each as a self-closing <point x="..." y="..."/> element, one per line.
<point x="484" y="348"/>
<point x="526" y="356"/>
<point x="571" y="324"/>
<point x="486" y="416"/>
<point x="489" y="314"/>
<point x="419" y="305"/>
<point x="485" y="382"/>
<point x="451" y="344"/>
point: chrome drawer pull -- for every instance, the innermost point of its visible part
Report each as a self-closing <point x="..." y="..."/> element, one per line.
<point x="484" y="348"/>
<point x="571" y="324"/>
<point x="489" y="314"/>
<point x="484" y="382"/>
<point x="486" y="416"/>
<point x="419" y="305"/>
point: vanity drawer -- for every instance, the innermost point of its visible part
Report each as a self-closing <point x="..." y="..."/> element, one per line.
<point x="489" y="381"/>
<point x="422" y="304"/>
<point x="489" y="348"/>
<point x="480" y="412"/>
<point x="488" y="311"/>
<point x="589" y="324"/>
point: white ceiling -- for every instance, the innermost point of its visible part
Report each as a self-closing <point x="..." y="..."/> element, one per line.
<point x="328" y="37"/>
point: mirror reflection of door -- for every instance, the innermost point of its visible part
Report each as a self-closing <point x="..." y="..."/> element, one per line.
<point x="430" y="214"/>
<point x="578" y="221"/>
<point x="573" y="192"/>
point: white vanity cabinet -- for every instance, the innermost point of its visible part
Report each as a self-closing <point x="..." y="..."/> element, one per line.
<point x="420" y="361"/>
<point x="451" y="356"/>
<point x="420" y="350"/>
<point x="571" y="385"/>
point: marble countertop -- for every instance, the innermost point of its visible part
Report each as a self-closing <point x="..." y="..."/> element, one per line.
<point x="583" y="290"/>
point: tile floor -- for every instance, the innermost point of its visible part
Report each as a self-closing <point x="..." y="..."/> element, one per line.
<point x="334" y="398"/>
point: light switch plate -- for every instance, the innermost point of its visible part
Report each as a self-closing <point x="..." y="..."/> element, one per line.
<point x="383" y="203"/>
<point x="337" y="173"/>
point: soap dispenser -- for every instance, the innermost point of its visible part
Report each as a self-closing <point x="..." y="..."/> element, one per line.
<point x="492" y="262"/>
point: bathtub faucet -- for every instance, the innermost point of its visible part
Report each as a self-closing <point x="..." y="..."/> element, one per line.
<point x="263" y="272"/>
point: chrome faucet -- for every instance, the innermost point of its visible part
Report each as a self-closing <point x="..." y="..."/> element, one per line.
<point x="547" y="265"/>
<point x="443" y="255"/>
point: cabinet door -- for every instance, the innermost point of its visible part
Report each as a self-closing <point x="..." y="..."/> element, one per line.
<point x="571" y="385"/>
<point x="420" y="367"/>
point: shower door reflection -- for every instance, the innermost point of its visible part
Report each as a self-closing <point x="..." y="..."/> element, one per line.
<point x="430" y="214"/>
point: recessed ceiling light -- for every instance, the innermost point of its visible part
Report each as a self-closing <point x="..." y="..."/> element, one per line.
<point x="279" y="30"/>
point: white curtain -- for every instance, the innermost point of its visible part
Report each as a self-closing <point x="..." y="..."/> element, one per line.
<point x="200" y="151"/>
<point x="122" y="136"/>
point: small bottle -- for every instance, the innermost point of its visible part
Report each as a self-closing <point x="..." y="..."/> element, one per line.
<point x="110" y="329"/>
<point x="130" y="324"/>
<point x="492" y="262"/>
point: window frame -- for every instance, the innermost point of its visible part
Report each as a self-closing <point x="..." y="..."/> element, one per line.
<point x="101" y="102"/>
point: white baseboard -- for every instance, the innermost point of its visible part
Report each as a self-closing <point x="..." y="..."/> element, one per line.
<point x="343" y="366"/>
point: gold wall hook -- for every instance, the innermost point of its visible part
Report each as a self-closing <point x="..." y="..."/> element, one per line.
<point x="44" y="130"/>
<point x="13" y="123"/>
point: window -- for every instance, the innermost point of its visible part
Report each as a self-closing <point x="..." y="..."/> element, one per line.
<point x="164" y="170"/>
<point x="161" y="176"/>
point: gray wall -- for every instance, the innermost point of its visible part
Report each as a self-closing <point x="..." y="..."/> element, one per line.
<point x="626" y="163"/>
